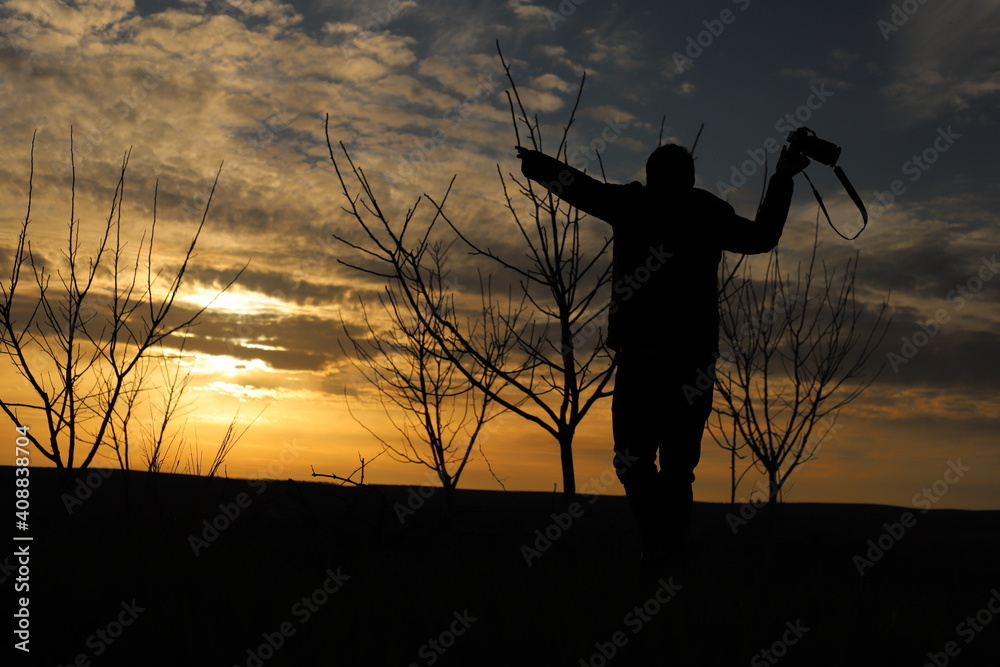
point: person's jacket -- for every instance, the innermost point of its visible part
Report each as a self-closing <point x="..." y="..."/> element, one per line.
<point x="667" y="248"/>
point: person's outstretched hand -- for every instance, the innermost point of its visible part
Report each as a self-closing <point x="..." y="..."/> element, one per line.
<point x="790" y="162"/>
<point x="525" y="155"/>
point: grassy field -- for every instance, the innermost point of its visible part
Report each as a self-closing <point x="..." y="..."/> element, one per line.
<point x="164" y="569"/>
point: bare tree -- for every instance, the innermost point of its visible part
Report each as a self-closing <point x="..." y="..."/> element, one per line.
<point x="161" y="442"/>
<point x="81" y="334"/>
<point x="558" y="368"/>
<point x="799" y="347"/>
<point x="158" y="439"/>
<point x="438" y="413"/>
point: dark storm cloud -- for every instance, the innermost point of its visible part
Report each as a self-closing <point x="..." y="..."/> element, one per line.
<point x="935" y="351"/>
<point x="929" y="269"/>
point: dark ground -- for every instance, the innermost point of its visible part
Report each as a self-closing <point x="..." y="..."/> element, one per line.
<point x="454" y="588"/>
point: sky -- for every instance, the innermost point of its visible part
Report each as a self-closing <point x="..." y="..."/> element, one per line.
<point x="416" y="91"/>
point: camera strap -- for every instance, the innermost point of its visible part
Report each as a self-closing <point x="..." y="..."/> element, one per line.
<point x="842" y="177"/>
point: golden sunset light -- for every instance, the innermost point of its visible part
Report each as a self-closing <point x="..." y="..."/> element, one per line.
<point x="533" y="332"/>
<point x="187" y="88"/>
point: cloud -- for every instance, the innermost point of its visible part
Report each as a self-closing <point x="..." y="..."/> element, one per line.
<point x="940" y="356"/>
<point x="813" y="76"/>
<point x="841" y="60"/>
<point x="554" y="83"/>
<point x="55" y="21"/>
<point x="531" y="16"/>
<point x="305" y="342"/>
<point x="540" y="101"/>
<point x="945" y="62"/>
<point x="553" y="54"/>
<point x="686" y="89"/>
<point x="923" y="263"/>
<point x="617" y="49"/>
<point x="602" y="113"/>
<point x="274" y="13"/>
<point x="279" y="285"/>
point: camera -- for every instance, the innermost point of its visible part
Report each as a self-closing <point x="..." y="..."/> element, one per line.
<point x="806" y="142"/>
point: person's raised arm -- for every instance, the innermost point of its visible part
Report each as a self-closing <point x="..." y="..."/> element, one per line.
<point x="762" y="234"/>
<point x="570" y="184"/>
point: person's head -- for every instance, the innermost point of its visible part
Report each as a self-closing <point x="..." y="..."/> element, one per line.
<point x="670" y="166"/>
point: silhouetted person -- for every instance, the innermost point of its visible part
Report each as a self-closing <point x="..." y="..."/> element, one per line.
<point x="664" y="318"/>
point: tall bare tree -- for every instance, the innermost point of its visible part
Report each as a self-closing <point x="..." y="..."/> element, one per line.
<point x="80" y="330"/>
<point x="798" y="350"/>
<point x="558" y="368"/>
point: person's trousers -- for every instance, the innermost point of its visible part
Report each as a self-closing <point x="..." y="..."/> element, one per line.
<point x="661" y="401"/>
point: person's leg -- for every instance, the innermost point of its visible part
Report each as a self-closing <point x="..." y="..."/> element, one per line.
<point x="687" y="405"/>
<point x="634" y="414"/>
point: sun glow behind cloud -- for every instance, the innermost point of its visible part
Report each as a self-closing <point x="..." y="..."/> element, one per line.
<point x="216" y="364"/>
<point x="235" y="300"/>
